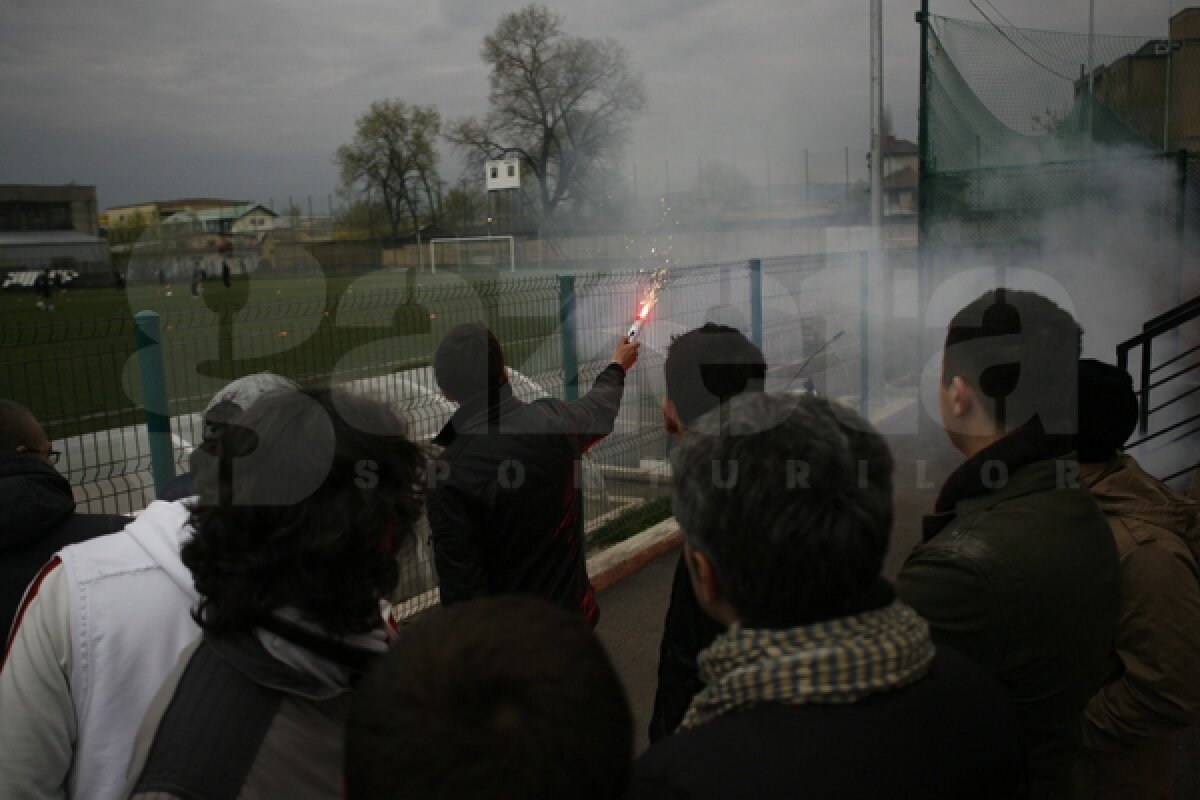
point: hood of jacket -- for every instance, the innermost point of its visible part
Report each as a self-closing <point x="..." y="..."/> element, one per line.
<point x="1122" y="487"/>
<point x="161" y="531"/>
<point x="34" y="499"/>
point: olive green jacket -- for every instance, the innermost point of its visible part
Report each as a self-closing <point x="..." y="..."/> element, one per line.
<point x="1019" y="572"/>
<point x="1128" y="725"/>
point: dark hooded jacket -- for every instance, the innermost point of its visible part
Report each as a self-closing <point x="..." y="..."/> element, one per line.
<point x="37" y="519"/>
<point x="504" y="510"/>
<point x="686" y="631"/>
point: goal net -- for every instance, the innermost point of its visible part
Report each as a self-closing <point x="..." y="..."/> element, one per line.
<point x="473" y="254"/>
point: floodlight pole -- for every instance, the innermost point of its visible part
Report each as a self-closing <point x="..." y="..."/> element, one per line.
<point x="1091" y="68"/>
<point x="877" y="122"/>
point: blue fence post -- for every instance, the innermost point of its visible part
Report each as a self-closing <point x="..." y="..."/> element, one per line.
<point x="864" y="331"/>
<point x="154" y="397"/>
<point x="756" y="303"/>
<point x="566" y="319"/>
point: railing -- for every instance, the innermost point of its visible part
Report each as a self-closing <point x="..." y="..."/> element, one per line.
<point x="1177" y="374"/>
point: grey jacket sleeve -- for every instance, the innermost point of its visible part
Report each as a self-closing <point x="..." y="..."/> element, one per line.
<point x="590" y="418"/>
<point x="37" y="715"/>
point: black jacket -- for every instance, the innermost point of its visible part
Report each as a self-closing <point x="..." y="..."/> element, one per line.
<point x="950" y="735"/>
<point x="1019" y="571"/>
<point x="37" y="519"/>
<point x="504" y="510"/>
<point x="686" y="632"/>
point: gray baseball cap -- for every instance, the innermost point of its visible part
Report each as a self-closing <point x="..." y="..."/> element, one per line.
<point x="241" y="394"/>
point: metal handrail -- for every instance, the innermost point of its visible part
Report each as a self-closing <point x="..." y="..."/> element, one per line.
<point x="1163" y="323"/>
<point x="1173" y="359"/>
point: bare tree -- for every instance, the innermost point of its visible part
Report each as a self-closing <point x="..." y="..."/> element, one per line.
<point x="562" y="104"/>
<point x="393" y="156"/>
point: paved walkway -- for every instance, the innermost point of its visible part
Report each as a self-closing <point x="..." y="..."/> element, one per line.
<point x="631" y="623"/>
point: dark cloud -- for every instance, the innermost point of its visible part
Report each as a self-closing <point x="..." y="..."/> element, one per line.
<point x="153" y="99"/>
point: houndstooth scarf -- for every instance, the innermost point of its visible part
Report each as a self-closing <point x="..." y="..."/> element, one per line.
<point x="836" y="661"/>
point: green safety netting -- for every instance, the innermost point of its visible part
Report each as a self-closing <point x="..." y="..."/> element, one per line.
<point x="1013" y="131"/>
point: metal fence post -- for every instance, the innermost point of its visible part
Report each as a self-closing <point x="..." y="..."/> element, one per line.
<point x="1144" y="389"/>
<point x="1181" y="164"/>
<point x="756" y="304"/>
<point x="566" y="319"/>
<point x="154" y="397"/>
<point x="864" y="330"/>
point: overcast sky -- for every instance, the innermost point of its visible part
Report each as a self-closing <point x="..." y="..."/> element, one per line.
<point x="249" y="99"/>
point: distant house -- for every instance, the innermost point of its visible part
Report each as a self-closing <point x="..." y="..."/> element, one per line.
<point x="900" y="158"/>
<point x="202" y="238"/>
<point x="226" y="220"/>
<point x="158" y="210"/>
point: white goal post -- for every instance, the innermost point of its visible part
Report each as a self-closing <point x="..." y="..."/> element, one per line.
<point x="512" y="248"/>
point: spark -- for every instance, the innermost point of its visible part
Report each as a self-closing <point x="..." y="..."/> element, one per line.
<point x="658" y="279"/>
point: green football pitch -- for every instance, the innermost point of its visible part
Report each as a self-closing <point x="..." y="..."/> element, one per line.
<point x="76" y="366"/>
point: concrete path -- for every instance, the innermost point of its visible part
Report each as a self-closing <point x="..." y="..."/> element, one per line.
<point x="631" y="622"/>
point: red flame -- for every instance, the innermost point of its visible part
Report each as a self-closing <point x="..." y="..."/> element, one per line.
<point x="645" y="311"/>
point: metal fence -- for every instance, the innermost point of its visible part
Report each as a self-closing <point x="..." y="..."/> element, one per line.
<point x="85" y="381"/>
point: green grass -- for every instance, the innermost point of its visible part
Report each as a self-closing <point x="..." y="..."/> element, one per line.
<point x="76" y="367"/>
<point x="630" y="523"/>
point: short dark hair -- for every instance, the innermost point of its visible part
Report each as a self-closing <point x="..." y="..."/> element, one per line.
<point x="303" y="503"/>
<point x="18" y="426"/>
<point x="1009" y="338"/>
<point x="469" y="362"/>
<point x="791" y="500"/>
<point x="503" y="697"/>
<point x="1108" y="410"/>
<point x="707" y="366"/>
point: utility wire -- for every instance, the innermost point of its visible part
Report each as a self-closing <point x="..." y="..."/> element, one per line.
<point x="1020" y="49"/>
<point x="1024" y="34"/>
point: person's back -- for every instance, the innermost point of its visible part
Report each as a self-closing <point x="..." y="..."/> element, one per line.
<point x="303" y="505"/>
<point x="704" y="368"/>
<point x="1128" y="727"/>
<point x="951" y="734"/>
<point x="521" y="490"/>
<point x="1017" y="569"/>
<point x="504" y="508"/>
<point x="823" y="682"/>
<point x="1023" y="580"/>
<point x="100" y="629"/>
<point x="503" y="697"/>
<point x="37" y="509"/>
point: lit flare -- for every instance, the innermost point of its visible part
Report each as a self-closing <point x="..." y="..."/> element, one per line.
<point x="657" y="280"/>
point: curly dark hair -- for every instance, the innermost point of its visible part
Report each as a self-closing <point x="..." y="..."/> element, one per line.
<point x="303" y="503"/>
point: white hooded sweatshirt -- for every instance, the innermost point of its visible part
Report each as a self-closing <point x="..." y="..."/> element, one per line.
<point x="97" y="636"/>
